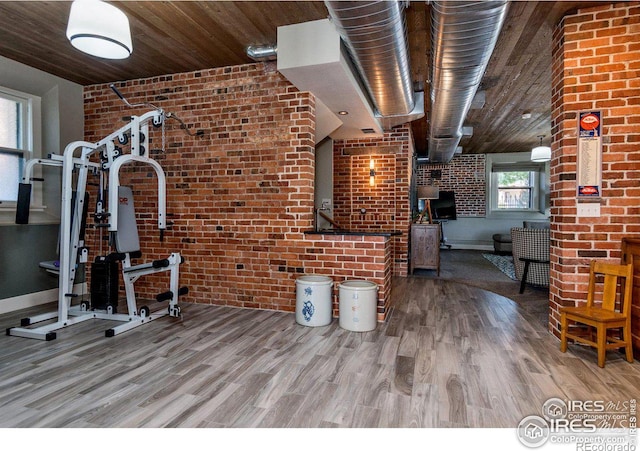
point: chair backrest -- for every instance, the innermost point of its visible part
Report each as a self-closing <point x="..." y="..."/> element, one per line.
<point x="126" y="239"/>
<point x="631" y="254"/>
<point x="536" y="224"/>
<point x="617" y="284"/>
<point x="534" y="244"/>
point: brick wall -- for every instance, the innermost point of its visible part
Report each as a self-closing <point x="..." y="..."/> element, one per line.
<point x="465" y="176"/>
<point x="240" y="196"/>
<point x="596" y="66"/>
<point x="386" y="204"/>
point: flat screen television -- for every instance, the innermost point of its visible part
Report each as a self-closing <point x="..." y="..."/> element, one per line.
<point x="445" y="206"/>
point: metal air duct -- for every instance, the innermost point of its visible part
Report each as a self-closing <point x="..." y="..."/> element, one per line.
<point x="464" y="34"/>
<point x="374" y="33"/>
<point x="262" y="52"/>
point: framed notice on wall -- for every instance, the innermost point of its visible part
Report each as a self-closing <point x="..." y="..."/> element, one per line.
<point x="589" y="158"/>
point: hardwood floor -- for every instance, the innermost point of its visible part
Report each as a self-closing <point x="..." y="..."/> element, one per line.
<point x="450" y="355"/>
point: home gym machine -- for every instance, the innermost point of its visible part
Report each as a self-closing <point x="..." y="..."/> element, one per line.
<point x="114" y="212"/>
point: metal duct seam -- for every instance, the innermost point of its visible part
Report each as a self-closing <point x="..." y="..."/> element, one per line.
<point x="464" y="34"/>
<point x="375" y="35"/>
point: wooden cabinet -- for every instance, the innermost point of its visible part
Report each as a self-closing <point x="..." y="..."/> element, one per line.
<point x="425" y="247"/>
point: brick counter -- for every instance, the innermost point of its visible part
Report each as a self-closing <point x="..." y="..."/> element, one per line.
<point x="351" y="255"/>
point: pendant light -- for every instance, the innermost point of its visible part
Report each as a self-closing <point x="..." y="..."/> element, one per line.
<point x="99" y="29"/>
<point x="541" y="153"/>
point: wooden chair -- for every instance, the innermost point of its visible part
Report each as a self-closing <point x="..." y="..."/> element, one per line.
<point x="606" y="309"/>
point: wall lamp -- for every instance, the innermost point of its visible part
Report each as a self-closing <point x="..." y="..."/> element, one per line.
<point x="372" y="173"/>
<point x="99" y="29"/>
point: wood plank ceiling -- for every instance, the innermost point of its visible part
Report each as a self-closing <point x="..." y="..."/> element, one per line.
<point x="172" y="37"/>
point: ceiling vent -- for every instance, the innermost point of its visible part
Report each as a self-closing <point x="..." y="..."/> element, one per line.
<point x="312" y="57"/>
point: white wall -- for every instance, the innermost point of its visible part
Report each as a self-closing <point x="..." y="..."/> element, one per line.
<point x="476" y="233"/>
<point x="324" y="179"/>
<point x="21" y="247"/>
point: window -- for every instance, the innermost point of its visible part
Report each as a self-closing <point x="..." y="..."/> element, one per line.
<point x="516" y="187"/>
<point x="515" y="190"/>
<point x="16" y="140"/>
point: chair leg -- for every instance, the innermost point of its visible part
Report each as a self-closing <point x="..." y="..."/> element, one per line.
<point x="626" y="332"/>
<point x="602" y="345"/>
<point x="563" y="332"/>
<point x="523" y="282"/>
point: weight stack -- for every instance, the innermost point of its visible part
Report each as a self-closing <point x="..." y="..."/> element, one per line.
<point x="104" y="283"/>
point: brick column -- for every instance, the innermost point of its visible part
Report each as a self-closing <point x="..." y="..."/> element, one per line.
<point x="596" y="66"/>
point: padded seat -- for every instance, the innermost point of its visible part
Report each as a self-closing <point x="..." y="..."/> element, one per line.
<point x="53" y="265"/>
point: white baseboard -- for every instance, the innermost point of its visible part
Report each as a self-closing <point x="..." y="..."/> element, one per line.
<point x="470" y="246"/>
<point x="34" y="299"/>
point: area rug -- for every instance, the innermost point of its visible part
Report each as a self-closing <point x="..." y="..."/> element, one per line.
<point x="504" y="263"/>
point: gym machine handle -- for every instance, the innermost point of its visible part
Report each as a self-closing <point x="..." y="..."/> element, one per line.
<point x="120" y="256"/>
<point x="114" y="89"/>
<point x="112" y="257"/>
<point x="119" y="94"/>
<point x="160" y="263"/>
<point x="168" y="295"/>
